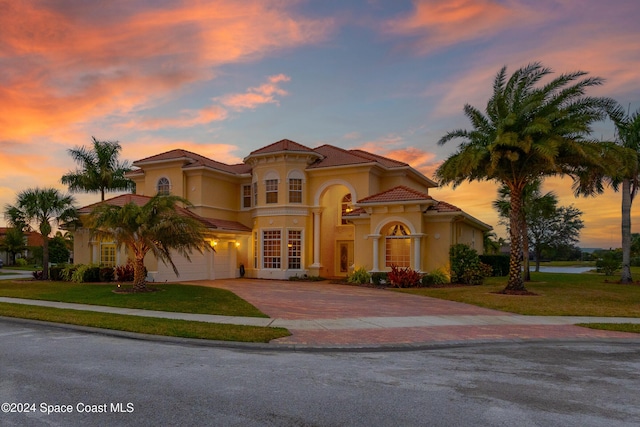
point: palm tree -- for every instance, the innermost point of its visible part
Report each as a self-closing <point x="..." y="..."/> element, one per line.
<point x="159" y="226"/>
<point x="41" y="206"/>
<point x="530" y="132"/>
<point x="100" y="170"/>
<point x="628" y="127"/>
<point x="13" y="243"/>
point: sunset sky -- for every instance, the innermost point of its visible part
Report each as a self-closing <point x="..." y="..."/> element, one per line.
<point x="223" y="78"/>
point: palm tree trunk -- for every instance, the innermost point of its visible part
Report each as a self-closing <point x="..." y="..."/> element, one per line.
<point x="515" y="282"/>
<point x="626" y="232"/>
<point x="525" y="251"/>
<point x="45" y="257"/>
<point x="139" y="275"/>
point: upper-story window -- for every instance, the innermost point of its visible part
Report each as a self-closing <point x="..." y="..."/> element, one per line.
<point x="271" y="186"/>
<point x="164" y="186"/>
<point x="295" y="190"/>
<point x="345" y="207"/>
<point x="246" y="196"/>
<point x="255" y="194"/>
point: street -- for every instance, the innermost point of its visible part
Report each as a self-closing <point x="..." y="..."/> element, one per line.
<point x="58" y="377"/>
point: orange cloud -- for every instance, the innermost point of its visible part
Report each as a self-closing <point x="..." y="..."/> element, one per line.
<point x="68" y="65"/>
<point x="442" y="23"/>
<point x="255" y="96"/>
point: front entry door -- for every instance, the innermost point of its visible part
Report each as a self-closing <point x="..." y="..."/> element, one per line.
<point x="345" y="258"/>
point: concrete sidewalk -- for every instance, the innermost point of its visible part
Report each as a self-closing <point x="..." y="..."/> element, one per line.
<point x="372" y="331"/>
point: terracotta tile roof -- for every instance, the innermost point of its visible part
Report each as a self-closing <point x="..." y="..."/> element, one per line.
<point x="282" y="145"/>
<point x="194" y="160"/>
<point x="33" y="237"/>
<point x="444" y="207"/>
<point x="385" y="161"/>
<point x="334" y="156"/>
<point x="122" y="200"/>
<point x="396" y="194"/>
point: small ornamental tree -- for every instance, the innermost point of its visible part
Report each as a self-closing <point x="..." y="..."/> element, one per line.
<point x="466" y="267"/>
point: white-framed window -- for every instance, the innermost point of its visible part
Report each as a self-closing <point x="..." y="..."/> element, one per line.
<point x="271" y="189"/>
<point x="295" y="190"/>
<point x="345" y="207"/>
<point x="246" y="196"/>
<point x="271" y="248"/>
<point x="164" y="186"/>
<point x="255" y="194"/>
<point x="294" y="249"/>
<point x="397" y="246"/>
<point x="108" y="254"/>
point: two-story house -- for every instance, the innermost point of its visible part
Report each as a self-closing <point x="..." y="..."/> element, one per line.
<point x="291" y="210"/>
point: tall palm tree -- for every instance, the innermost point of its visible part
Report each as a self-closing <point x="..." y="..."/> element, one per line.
<point x="529" y="132"/>
<point x="41" y="206"/>
<point x="159" y="226"/>
<point x="100" y="171"/>
<point x="628" y="127"/>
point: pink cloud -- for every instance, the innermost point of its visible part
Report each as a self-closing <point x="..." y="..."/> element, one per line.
<point x="255" y="96"/>
<point x="440" y="23"/>
<point x="67" y="65"/>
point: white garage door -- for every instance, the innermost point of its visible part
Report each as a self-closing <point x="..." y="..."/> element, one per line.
<point x="205" y="266"/>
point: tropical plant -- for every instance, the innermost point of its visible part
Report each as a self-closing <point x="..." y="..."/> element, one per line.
<point x="530" y="132"/>
<point x="159" y="227"/>
<point x="628" y="129"/>
<point x="404" y="277"/>
<point x="359" y="276"/>
<point x="41" y="207"/>
<point x="13" y="242"/>
<point x="435" y="278"/>
<point x="99" y="169"/>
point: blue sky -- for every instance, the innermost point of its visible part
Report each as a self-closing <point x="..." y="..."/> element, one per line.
<point x="223" y="78"/>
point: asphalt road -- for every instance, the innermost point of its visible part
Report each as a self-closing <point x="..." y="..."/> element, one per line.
<point x="57" y="377"/>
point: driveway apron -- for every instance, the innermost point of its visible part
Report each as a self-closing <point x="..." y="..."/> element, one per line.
<point x="342" y="315"/>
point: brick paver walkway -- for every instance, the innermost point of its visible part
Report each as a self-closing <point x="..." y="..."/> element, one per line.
<point x="307" y="301"/>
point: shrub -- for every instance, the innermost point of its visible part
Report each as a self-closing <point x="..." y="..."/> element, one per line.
<point x="404" y="277"/>
<point x="499" y="264"/>
<point x="21" y="262"/>
<point x="55" y="272"/>
<point x="125" y="273"/>
<point x="436" y="277"/>
<point x="466" y="267"/>
<point x="67" y="272"/>
<point x="38" y="275"/>
<point x="379" y="278"/>
<point x="86" y="273"/>
<point x="359" y="276"/>
<point x="106" y="274"/>
<point x="609" y="263"/>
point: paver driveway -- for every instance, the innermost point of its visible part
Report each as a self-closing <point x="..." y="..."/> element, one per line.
<point x="318" y="301"/>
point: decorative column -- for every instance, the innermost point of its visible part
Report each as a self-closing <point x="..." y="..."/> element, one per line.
<point x="416" y="253"/>
<point x="317" y="215"/>
<point x="375" y="240"/>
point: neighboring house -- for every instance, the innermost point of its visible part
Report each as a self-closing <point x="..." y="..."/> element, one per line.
<point x="32" y="240"/>
<point x="289" y="210"/>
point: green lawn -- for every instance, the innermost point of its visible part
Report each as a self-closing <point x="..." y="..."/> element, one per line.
<point x="557" y="295"/>
<point x="145" y="325"/>
<point x="170" y="297"/>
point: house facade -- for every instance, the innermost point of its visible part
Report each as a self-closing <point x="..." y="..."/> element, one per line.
<point x="290" y="210"/>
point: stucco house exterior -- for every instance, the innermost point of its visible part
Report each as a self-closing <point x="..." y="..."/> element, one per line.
<point x="292" y="210"/>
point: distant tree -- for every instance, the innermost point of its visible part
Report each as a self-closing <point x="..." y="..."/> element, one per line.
<point x="559" y="229"/>
<point x="13" y="243"/>
<point x="41" y="207"/>
<point x="157" y="227"/>
<point x="628" y="129"/>
<point x="58" y="250"/>
<point x="100" y="171"/>
<point x="491" y="243"/>
<point x="530" y="132"/>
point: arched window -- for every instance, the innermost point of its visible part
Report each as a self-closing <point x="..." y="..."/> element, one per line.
<point x="164" y="186"/>
<point x="397" y="246"/>
<point x="345" y="207"/>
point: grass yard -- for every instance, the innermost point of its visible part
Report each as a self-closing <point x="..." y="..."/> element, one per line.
<point x="558" y="294"/>
<point x="145" y="325"/>
<point x="176" y="298"/>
